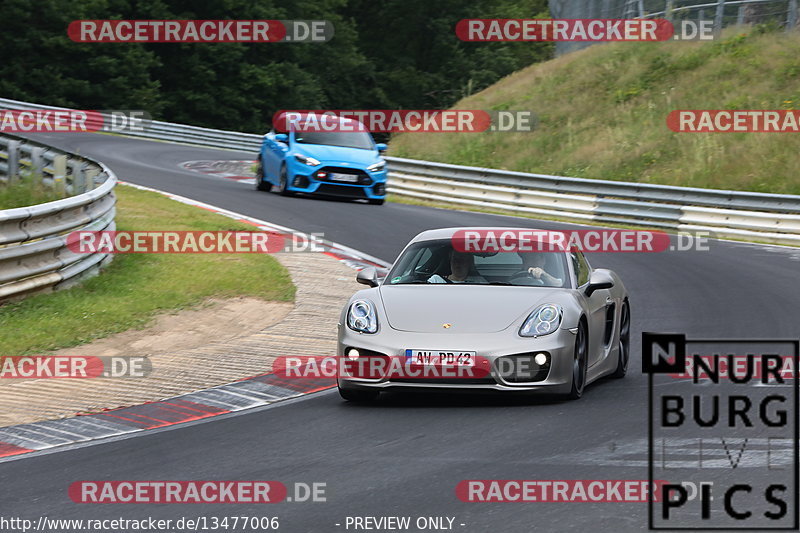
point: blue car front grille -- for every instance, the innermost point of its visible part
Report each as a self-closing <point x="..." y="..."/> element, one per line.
<point x="340" y="190"/>
<point x="363" y="177"/>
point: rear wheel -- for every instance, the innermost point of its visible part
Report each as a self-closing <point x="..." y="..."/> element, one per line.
<point x="624" y="342"/>
<point x="261" y="183"/>
<point x="579" y="363"/>
<point x="357" y="395"/>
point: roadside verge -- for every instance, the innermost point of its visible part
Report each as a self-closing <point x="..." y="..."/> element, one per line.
<point x="324" y="281"/>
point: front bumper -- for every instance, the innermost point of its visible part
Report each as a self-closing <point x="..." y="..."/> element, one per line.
<point x="368" y="185"/>
<point x="559" y="345"/>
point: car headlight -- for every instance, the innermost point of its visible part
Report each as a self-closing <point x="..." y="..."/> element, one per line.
<point x="361" y="317"/>
<point x="377" y="167"/>
<point x="544" y="320"/>
<point x="310" y="161"/>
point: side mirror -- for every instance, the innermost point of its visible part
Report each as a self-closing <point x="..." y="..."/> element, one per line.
<point x="368" y="276"/>
<point x="382" y="147"/>
<point x="282" y="138"/>
<point x="600" y="279"/>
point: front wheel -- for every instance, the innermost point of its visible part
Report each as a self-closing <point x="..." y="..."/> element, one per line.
<point x="283" y="186"/>
<point x="579" y="363"/>
<point x="358" y="395"/>
<point x="261" y="183"/>
<point x="624" y="342"/>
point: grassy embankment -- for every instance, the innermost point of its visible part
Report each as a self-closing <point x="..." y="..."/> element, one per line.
<point x="603" y="110"/>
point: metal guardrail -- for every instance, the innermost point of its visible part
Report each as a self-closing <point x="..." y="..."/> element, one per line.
<point x="773" y="218"/>
<point x="763" y="217"/>
<point x="33" y="240"/>
<point x="168" y="131"/>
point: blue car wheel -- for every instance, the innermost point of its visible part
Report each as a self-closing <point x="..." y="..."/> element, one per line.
<point x="261" y="183"/>
<point x="283" y="187"/>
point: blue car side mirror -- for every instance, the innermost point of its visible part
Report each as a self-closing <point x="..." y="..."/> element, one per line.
<point x="382" y="147"/>
<point x="282" y="138"/>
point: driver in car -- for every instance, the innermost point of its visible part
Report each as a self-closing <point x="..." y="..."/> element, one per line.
<point x="461" y="265"/>
<point x="534" y="264"/>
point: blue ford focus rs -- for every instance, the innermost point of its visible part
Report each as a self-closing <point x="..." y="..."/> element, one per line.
<point x="345" y="164"/>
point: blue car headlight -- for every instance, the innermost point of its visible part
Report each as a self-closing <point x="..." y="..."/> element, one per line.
<point x="361" y="317"/>
<point x="377" y="167"/>
<point x="544" y="320"/>
<point x="308" y="160"/>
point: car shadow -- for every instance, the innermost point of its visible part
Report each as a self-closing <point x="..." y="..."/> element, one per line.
<point x="334" y="199"/>
<point x="462" y="399"/>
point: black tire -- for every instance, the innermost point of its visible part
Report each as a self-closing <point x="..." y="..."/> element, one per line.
<point x="261" y="183"/>
<point x="282" y="183"/>
<point x="579" y="363"/>
<point x="376" y="201"/>
<point x="624" y="342"/>
<point x="357" y="395"/>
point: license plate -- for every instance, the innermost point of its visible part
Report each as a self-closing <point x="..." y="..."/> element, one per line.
<point x="349" y="178"/>
<point x="440" y="358"/>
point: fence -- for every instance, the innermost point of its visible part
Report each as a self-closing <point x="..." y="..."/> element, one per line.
<point x="722" y="12"/>
<point x="33" y="240"/>
<point x="763" y="217"/>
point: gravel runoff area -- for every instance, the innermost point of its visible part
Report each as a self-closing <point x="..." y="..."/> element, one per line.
<point x="196" y="349"/>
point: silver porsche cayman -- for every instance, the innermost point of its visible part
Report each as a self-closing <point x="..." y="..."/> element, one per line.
<point x="507" y="320"/>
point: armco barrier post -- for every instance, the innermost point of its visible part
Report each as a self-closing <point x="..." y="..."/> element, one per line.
<point x="791" y="21"/>
<point x="37" y="162"/>
<point x="60" y="174"/>
<point x="78" y="176"/>
<point x="13" y="161"/>
<point x="89" y="175"/>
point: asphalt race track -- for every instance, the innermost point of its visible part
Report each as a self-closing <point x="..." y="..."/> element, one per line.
<point x="406" y="454"/>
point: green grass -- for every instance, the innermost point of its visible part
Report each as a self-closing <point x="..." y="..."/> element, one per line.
<point x="25" y="192"/>
<point x="136" y="287"/>
<point x="602" y="114"/>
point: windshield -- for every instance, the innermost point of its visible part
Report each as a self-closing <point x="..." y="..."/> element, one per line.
<point x="348" y="139"/>
<point x="436" y="262"/>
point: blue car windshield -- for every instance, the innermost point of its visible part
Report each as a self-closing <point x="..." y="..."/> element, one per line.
<point x="348" y="139"/>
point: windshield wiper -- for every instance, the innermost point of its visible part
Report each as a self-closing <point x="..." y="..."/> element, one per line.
<point x="501" y="283"/>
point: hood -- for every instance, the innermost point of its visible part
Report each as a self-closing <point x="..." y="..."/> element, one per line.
<point x="470" y="309"/>
<point x="356" y="157"/>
